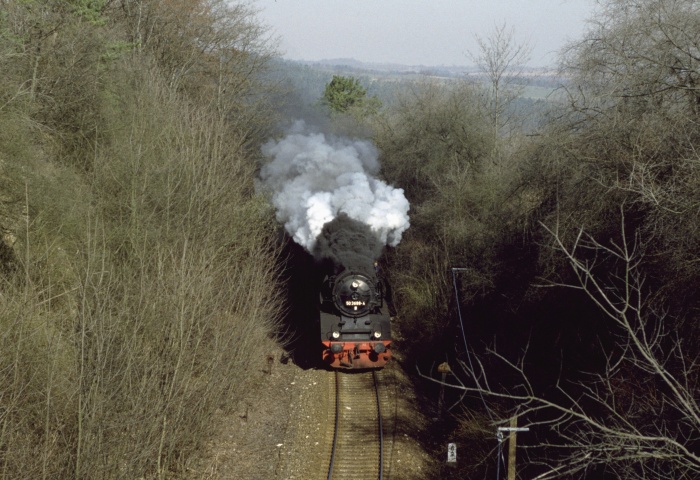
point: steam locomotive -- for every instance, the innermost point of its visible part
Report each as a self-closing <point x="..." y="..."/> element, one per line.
<point x="355" y="321"/>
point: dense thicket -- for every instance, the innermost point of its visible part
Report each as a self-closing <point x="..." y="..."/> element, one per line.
<point x="579" y="248"/>
<point x="137" y="263"/>
<point x="434" y="146"/>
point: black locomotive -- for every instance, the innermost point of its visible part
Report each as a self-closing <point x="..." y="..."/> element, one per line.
<point x="355" y="321"/>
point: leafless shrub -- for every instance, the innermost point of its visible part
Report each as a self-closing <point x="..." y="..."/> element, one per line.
<point x="639" y="416"/>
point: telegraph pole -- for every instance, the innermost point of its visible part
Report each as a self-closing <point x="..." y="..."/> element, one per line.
<point x="511" y="447"/>
<point x="512" y="431"/>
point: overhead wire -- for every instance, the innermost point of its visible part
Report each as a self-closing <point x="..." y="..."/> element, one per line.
<point x="499" y="452"/>
<point x="466" y="347"/>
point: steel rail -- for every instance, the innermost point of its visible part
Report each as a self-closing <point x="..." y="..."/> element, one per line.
<point x="336" y="434"/>
<point x="381" y="429"/>
<point x="337" y="421"/>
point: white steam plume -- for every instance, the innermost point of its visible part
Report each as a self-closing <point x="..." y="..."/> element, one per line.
<point x="314" y="178"/>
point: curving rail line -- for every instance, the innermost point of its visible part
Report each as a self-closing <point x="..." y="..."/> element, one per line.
<point x="358" y="439"/>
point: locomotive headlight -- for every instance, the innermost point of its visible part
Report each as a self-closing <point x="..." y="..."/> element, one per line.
<point x="335" y="334"/>
<point x="377" y="334"/>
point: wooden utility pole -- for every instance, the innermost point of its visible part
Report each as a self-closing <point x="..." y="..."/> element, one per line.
<point x="511" y="447"/>
<point x="512" y="432"/>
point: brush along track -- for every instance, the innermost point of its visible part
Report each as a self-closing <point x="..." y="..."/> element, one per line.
<point x="357" y="443"/>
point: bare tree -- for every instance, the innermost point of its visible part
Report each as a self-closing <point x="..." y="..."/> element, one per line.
<point x="639" y="416"/>
<point x="501" y="59"/>
<point x="639" y="50"/>
<point x="635" y="101"/>
<point x="214" y="50"/>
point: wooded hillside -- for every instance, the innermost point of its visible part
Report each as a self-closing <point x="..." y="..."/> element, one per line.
<point x="137" y="264"/>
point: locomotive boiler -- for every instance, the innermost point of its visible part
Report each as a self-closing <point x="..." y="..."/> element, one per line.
<point x="355" y="321"/>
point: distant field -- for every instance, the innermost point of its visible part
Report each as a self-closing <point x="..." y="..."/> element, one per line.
<point x="539" y="93"/>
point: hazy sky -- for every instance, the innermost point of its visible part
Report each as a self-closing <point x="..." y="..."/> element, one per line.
<point x="419" y="32"/>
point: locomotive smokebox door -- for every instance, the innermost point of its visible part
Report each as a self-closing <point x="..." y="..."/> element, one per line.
<point x="355" y="329"/>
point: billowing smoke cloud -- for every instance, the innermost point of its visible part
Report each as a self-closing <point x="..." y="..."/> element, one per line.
<point x="314" y="179"/>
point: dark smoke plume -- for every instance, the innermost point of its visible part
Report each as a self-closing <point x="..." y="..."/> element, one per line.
<point x="347" y="244"/>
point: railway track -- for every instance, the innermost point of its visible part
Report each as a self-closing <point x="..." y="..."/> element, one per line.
<point x="359" y="450"/>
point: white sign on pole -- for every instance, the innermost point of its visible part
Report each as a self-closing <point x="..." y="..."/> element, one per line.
<point x="451" y="453"/>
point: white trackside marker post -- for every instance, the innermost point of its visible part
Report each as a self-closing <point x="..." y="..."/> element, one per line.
<point x="451" y="453"/>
